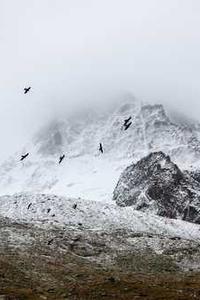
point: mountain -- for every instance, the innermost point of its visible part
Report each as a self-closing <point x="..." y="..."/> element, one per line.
<point x="155" y="184"/>
<point x="87" y="173"/>
<point x="60" y="222"/>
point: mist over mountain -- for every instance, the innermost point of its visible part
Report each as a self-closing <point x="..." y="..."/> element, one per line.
<point x="87" y="173"/>
<point x="74" y="54"/>
<point x="99" y="189"/>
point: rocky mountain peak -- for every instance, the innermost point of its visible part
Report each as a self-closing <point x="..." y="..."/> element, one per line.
<point x="156" y="184"/>
<point x="78" y="136"/>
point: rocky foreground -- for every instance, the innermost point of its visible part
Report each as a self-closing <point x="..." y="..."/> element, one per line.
<point x="76" y="263"/>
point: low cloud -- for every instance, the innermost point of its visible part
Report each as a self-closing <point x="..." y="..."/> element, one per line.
<point x="76" y="52"/>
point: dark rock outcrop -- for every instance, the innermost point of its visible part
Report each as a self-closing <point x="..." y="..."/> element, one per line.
<point x="157" y="185"/>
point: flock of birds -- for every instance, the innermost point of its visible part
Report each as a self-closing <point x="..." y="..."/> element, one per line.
<point x="126" y="125"/>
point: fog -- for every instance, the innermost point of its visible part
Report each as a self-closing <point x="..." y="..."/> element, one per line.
<point x="74" y="52"/>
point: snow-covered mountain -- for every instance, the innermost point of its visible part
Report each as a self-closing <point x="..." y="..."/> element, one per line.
<point x="56" y="206"/>
<point x="87" y="173"/>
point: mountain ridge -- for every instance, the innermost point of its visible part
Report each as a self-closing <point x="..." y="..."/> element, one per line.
<point x="85" y="172"/>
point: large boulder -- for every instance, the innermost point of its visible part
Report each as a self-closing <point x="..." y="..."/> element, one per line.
<point x="157" y="185"/>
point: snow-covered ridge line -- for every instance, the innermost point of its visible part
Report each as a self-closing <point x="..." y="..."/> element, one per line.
<point x="85" y="172"/>
<point x="48" y="210"/>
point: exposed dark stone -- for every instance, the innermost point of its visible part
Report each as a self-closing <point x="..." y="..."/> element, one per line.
<point x="156" y="184"/>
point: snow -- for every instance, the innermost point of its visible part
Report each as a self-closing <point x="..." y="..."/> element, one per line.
<point x="48" y="210"/>
<point x="88" y="177"/>
<point x="85" y="172"/>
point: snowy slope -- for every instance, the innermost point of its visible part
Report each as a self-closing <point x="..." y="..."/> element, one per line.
<point x="85" y="172"/>
<point x="48" y="210"/>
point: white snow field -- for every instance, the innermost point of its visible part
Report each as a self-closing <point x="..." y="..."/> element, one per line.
<point x="47" y="210"/>
<point x="86" y="177"/>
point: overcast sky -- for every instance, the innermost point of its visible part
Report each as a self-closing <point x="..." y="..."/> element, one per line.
<point x="72" y="51"/>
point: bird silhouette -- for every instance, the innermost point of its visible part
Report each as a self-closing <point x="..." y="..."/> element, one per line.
<point x="75" y="206"/>
<point x="29" y="205"/>
<point x="26" y="90"/>
<point x="101" y="148"/>
<point x="24" y="156"/>
<point x="127" y="126"/>
<point x="50" y="242"/>
<point x="61" y="158"/>
<point x="127" y="120"/>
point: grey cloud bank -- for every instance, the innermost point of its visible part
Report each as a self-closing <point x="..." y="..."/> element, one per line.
<point x="73" y="51"/>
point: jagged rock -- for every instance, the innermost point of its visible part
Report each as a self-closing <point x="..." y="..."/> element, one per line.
<point x="156" y="184"/>
<point x="195" y="174"/>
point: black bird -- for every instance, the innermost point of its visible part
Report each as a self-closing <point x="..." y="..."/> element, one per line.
<point x="48" y="210"/>
<point x="101" y="147"/>
<point x="24" y="156"/>
<point x="127" y="120"/>
<point x="75" y="206"/>
<point x="26" y="90"/>
<point x="50" y="242"/>
<point x="61" y="158"/>
<point x="29" y="205"/>
<point x="127" y="126"/>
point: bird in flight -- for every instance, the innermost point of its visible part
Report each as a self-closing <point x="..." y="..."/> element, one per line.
<point x="61" y="158"/>
<point x="101" y="148"/>
<point x="50" y="242"/>
<point x="127" y="126"/>
<point x="75" y="206"/>
<point x="24" y="156"/>
<point x="26" y="90"/>
<point x="127" y="120"/>
<point x="29" y="205"/>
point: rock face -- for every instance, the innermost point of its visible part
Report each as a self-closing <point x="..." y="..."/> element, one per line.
<point x="157" y="185"/>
